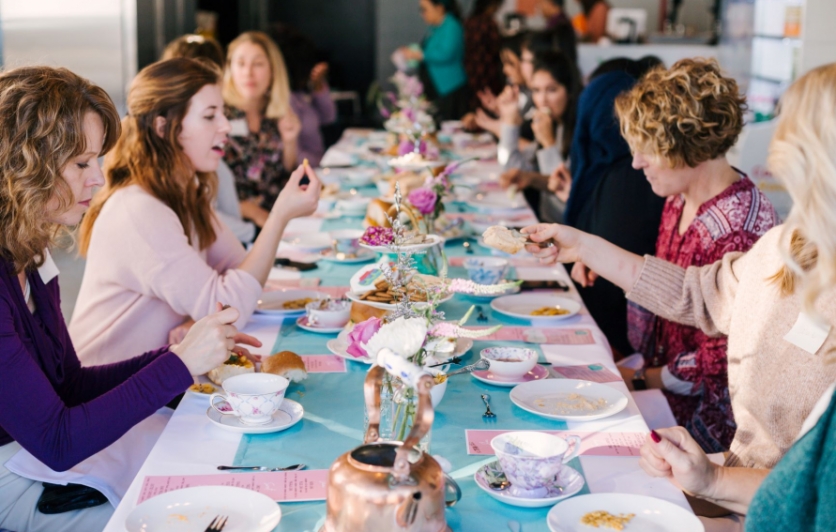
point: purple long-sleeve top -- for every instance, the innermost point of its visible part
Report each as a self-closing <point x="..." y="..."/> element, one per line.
<point x="314" y="110"/>
<point x="55" y="409"/>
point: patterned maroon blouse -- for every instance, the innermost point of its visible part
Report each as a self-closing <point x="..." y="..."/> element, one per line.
<point x="731" y="221"/>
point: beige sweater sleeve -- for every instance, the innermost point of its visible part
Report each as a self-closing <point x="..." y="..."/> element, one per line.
<point x="701" y="297"/>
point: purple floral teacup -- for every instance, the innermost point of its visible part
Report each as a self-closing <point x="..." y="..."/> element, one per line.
<point x="252" y="397"/>
<point x="532" y="460"/>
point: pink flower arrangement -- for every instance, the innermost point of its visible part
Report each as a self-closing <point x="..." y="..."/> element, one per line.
<point x="378" y="236"/>
<point x="360" y="335"/>
<point x="423" y="199"/>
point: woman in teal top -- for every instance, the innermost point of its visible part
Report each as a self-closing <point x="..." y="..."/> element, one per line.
<point x="442" y="58"/>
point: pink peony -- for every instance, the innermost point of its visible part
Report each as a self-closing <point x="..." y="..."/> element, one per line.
<point x="423" y="199"/>
<point x="360" y="336"/>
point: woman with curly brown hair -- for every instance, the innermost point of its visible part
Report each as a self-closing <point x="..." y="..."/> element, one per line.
<point x="53" y="127"/>
<point x="156" y="254"/>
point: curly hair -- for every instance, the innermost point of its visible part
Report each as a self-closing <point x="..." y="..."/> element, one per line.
<point x="157" y="163"/>
<point x="42" y="110"/>
<point x="686" y="115"/>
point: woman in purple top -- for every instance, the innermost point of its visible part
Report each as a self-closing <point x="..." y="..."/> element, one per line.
<point x="54" y="126"/>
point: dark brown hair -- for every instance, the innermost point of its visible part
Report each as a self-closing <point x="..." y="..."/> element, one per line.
<point x="194" y="47"/>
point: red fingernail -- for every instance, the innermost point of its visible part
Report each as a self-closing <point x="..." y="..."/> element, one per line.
<point x="655" y="436"/>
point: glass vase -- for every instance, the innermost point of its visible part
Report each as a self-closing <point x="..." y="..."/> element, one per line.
<point x="398" y="408"/>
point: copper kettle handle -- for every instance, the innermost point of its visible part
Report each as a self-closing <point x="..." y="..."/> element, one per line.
<point x="423" y="421"/>
<point x="371" y="392"/>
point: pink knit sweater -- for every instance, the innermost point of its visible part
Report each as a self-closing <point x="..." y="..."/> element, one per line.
<point x="773" y="384"/>
<point x="143" y="279"/>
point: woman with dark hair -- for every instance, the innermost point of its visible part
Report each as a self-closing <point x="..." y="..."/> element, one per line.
<point x="591" y="23"/>
<point x="486" y="116"/>
<point x="442" y="58"/>
<point x="561" y="38"/>
<point x="156" y="254"/>
<point x="54" y="126"/>
<point x="310" y="96"/>
<point x="482" y="43"/>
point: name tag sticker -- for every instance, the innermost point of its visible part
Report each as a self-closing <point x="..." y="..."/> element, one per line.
<point x="808" y="334"/>
<point x="239" y="128"/>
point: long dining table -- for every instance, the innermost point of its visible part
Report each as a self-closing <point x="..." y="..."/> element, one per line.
<point x="333" y="401"/>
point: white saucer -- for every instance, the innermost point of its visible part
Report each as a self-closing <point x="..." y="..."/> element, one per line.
<point x="339" y="345"/>
<point x="302" y="323"/>
<point x="490" y="297"/>
<point x="569" y="479"/>
<point x="309" y="242"/>
<point x="536" y="374"/>
<point x="522" y="305"/>
<point x="272" y="303"/>
<point x="289" y="413"/>
<point x="364" y="255"/>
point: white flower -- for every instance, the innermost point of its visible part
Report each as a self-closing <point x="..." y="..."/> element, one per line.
<point x="404" y="336"/>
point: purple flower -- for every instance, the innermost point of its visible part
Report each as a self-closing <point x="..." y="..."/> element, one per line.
<point x="423" y="199"/>
<point x="405" y="147"/>
<point x="360" y="336"/>
<point x="378" y="236"/>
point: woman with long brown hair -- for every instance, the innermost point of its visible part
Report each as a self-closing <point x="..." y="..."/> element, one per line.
<point x="156" y="254"/>
<point x="53" y="127"/>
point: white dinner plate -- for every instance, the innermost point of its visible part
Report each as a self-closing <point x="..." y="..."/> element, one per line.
<point x="272" y="303"/>
<point x="551" y="398"/>
<point x="309" y="242"/>
<point x="537" y="373"/>
<point x="498" y="202"/>
<point x="192" y="509"/>
<point x="569" y="480"/>
<point x="289" y="413"/>
<point x="522" y="305"/>
<point x="339" y="346"/>
<point x="651" y="514"/>
<point x="432" y="240"/>
<point x="354" y="296"/>
<point x="363" y="255"/>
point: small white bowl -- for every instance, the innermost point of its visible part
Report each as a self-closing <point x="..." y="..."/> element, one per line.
<point x="437" y="391"/>
<point x="328" y="313"/>
<point x="510" y="362"/>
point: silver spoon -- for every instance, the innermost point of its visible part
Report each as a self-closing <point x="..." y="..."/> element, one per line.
<point x="295" y="467"/>
<point x="482" y="364"/>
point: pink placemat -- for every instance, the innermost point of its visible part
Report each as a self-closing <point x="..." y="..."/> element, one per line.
<point x="592" y="372"/>
<point x="281" y="486"/>
<point x="278" y="284"/>
<point x="592" y="443"/>
<point x="324" y="363"/>
<point x="537" y="335"/>
<point x="335" y="292"/>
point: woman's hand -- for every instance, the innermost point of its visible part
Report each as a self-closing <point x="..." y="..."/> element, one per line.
<point x="515" y="177"/>
<point x="508" y="104"/>
<point x="319" y="74"/>
<point x="582" y="275"/>
<point x="290" y="127"/>
<point x="566" y="240"/>
<point x="176" y="335"/>
<point x="673" y="453"/>
<point x="297" y="200"/>
<point x="488" y="100"/>
<point x="209" y="342"/>
<point x="560" y="182"/>
<point x="542" y="126"/>
<point x="491" y="125"/>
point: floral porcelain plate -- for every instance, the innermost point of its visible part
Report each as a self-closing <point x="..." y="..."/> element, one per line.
<point x="289" y="413"/>
<point x="568" y="483"/>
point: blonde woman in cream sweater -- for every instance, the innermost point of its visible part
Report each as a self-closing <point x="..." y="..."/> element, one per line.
<point x="157" y="256"/>
<point x="776" y="303"/>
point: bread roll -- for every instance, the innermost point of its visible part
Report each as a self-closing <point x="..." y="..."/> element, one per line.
<point x="376" y="213"/>
<point x="234" y="366"/>
<point x="503" y="239"/>
<point x="286" y="364"/>
<point x="361" y="312"/>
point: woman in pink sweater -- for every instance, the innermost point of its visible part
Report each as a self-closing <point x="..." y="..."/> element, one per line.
<point x="156" y="254"/>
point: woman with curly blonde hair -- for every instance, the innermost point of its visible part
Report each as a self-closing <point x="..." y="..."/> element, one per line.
<point x="777" y="305"/>
<point x="157" y="257"/>
<point x="54" y="125"/>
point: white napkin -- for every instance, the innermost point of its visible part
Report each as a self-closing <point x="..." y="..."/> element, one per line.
<point x="111" y="470"/>
<point x="334" y="157"/>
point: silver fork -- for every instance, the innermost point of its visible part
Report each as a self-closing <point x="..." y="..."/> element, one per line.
<point x="217" y="524"/>
<point x="488" y="414"/>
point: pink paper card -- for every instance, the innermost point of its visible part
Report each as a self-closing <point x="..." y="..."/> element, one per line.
<point x="281" y="486"/>
<point x="592" y="443"/>
<point x="279" y="284"/>
<point x="324" y="363"/>
<point x="336" y="292"/>
<point x="592" y="372"/>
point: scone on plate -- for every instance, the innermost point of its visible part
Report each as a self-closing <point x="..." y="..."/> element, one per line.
<point x="235" y="365"/>
<point x="504" y="239"/>
<point x="286" y="364"/>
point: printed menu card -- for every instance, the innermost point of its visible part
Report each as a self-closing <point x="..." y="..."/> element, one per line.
<point x="592" y="443"/>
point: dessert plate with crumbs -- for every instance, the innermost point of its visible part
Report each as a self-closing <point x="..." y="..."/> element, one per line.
<point x="569" y="399"/>
<point x="620" y="511"/>
<point x="287" y="302"/>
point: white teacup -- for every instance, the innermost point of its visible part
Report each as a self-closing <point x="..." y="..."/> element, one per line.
<point x="253" y="397"/>
<point x="510" y="362"/>
<point x="328" y="313"/>
<point x="486" y="270"/>
<point x="532" y="460"/>
<point x="346" y="240"/>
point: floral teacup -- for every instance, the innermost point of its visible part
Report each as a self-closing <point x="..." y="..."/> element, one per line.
<point x="486" y="270"/>
<point x="346" y="241"/>
<point x="532" y="460"/>
<point x="252" y="397"/>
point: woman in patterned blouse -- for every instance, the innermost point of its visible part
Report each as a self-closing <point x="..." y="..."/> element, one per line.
<point x="679" y="124"/>
<point x="263" y="144"/>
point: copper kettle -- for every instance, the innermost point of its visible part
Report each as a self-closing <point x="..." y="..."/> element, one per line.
<point x="386" y="486"/>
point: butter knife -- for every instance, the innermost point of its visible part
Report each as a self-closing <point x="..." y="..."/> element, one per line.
<point x="295" y="467"/>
